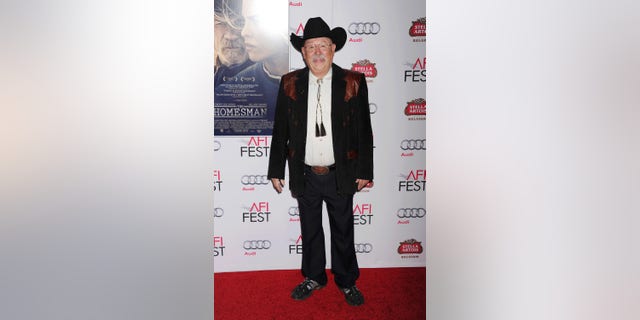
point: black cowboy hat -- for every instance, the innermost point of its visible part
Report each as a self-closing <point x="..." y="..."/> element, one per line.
<point x="316" y="28"/>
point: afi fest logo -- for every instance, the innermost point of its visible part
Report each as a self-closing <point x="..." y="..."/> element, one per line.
<point x="414" y="181"/>
<point x="299" y="30"/>
<point x="411" y="247"/>
<point x="405" y="215"/>
<point x="256" y="147"/>
<point x="416" y="109"/>
<point x="258" y="213"/>
<point x="365" y="66"/>
<point x="418" y="71"/>
<point x="217" y="180"/>
<point x="362" y="214"/>
<point x="418" y="29"/>
<point x="296" y="248"/>
<point x="218" y="246"/>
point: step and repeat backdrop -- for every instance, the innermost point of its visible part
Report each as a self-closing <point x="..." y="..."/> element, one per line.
<point x="254" y="227"/>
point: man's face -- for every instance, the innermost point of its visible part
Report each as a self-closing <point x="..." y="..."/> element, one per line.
<point x="318" y="54"/>
<point x="259" y="39"/>
<point x="230" y="47"/>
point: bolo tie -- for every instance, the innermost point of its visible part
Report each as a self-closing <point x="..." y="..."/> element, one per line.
<point x="320" y="131"/>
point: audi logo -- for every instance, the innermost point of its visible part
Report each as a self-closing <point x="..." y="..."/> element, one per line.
<point x="373" y="108"/>
<point x="256" y="244"/>
<point x="413" y="144"/>
<point x="216" y="145"/>
<point x="364" y="28"/>
<point x="363" y="247"/>
<point x="218" y="212"/>
<point x="293" y="211"/>
<point x="254" y="179"/>
<point x="411" y="212"/>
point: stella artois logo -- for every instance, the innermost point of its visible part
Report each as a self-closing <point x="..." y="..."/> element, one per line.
<point x="416" y="107"/>
<point x="410" y="246"/>
<point x="365" y="66"/>
<point x="418" y="28"/>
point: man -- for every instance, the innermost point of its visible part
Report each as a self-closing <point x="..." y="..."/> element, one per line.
<point x="323" y="129"/>
<point x="230" y="54"/>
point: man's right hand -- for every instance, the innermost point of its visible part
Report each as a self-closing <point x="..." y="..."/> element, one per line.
<point x="278" y="184"/>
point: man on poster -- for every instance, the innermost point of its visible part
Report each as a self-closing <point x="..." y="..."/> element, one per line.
<point x="323" y="129"/>
<point x="230" y="54"/>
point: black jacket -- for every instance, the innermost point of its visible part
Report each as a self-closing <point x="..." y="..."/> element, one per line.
<point x="351" y="127"/>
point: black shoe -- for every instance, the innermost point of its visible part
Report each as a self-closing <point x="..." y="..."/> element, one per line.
<point x="353" y="295"/>
<point x="305" y="289"/>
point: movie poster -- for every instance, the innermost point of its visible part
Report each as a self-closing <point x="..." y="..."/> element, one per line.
<point x="251" y="50"/>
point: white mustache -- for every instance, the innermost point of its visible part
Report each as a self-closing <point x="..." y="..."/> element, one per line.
<point x="318" y="57"/>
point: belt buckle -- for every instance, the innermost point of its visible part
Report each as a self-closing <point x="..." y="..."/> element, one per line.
<point x="320" y="170"/>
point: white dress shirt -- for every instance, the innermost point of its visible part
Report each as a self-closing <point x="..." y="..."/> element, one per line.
<point x="319" y="150"/>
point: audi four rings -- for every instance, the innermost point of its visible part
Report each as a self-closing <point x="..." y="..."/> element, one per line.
<point x="216" y="145"/>
<point x="413" y="144"/>
<point x="364" y="28"/>
<point x="254" y="179"/>
<point x="373" y="108"/>
<point x="256" y="244"/>
<point x="411" y="212"/>
<point x="218" y="212"/>
<point x="363" y="247"/>
<point x="293" y="211"/>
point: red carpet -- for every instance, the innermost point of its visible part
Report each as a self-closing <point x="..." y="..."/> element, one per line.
<point x="389" y="293"/>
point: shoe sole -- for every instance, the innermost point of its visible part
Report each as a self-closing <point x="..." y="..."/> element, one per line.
<point x="353" y="304"/>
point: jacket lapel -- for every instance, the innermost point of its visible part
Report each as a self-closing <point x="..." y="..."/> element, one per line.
<point x="338" y="87"/>
<point x="302" y="92"/>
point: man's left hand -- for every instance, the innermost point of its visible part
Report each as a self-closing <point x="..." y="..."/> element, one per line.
<point x="361" y="183"/>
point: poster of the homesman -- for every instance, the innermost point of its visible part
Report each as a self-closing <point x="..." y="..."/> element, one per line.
<point x="251" y="54"/>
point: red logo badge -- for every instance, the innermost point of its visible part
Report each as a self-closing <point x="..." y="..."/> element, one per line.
<point x="365" y="66"/>
<point x="416" y="107"/>
<point x="418" y="28"/>
<point x="410" y="246"/>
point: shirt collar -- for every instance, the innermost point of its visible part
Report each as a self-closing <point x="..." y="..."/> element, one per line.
<point x="327" y="77"/>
